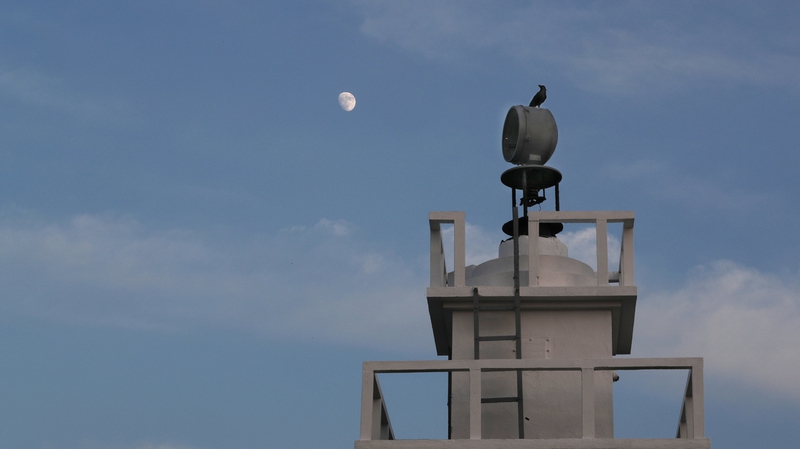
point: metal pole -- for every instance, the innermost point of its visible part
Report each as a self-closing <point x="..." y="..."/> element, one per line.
<point x="558" y="199"/>
<point x="517" y="318"/>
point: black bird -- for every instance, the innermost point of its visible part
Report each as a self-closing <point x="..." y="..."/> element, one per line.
<point x="539" y="98"/>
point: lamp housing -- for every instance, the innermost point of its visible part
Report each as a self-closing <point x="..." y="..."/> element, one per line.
<point x="530" y="135"/>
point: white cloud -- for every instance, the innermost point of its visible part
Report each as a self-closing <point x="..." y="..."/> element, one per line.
<point x="746" y="324"/>
<point x="582" y="245"/>
<point x="339" y="228"/>
<point x="617" y="48"/>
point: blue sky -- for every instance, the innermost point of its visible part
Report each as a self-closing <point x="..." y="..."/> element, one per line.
<point x="199" y="247"/>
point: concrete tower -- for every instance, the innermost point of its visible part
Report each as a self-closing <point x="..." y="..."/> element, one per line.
<point x="530" y="335"/>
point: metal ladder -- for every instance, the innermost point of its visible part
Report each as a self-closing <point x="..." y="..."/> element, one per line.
<point x="516" y="337"/>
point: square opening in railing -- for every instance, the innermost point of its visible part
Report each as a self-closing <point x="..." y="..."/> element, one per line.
<point x="416" y="404"/>
<point x="648" y="403"/>
<point x="581" y="242"/>
<point x="481" y="244"/>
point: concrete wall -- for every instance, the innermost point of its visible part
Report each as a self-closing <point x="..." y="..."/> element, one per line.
<point x="552" y="400"/>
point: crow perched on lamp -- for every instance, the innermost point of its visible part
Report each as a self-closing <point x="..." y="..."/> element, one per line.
<point x="539" y="98"/>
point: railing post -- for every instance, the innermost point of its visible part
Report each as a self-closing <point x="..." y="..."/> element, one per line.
<point x="602" y="251"/>
<point x="626" y="256"/>
<point x="475" y="403"/>
<point x="459" y="249"/>
<point x="438" y="267"/>
<point x="367" y="402"/>
<point x="587" y="394"/>
<point x="698" y="406"/>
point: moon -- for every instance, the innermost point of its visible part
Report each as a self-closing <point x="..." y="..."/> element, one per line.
<point x="347" y="101"/>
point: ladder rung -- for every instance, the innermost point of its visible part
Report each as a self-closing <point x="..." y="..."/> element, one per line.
<point x="498" y="338"/>
<point x="494" y="400"/>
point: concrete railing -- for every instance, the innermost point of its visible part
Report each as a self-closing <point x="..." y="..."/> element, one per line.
<point x="600" y="219"/>
<point x="438" y="266"/>
<point x="379" y="427"/>
<point x="373" y="408"/>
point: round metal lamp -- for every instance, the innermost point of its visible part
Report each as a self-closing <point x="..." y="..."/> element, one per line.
<point x="530" y="135"/>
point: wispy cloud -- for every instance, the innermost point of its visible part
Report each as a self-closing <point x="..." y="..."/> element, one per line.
<point x="316" y="282"/>
<point x="613" y="48"/>
<point x="712" y="192"/>
<point x="35" y="88"/>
